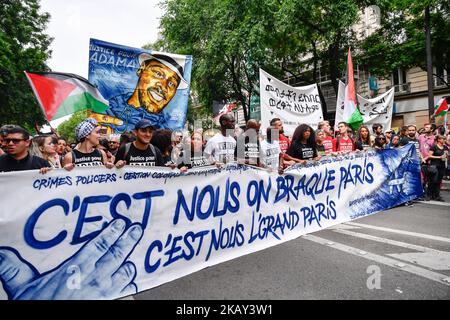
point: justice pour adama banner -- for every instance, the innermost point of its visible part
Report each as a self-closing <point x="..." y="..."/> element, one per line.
<point x="102" y="234"/>
<point x="138" y="84"/>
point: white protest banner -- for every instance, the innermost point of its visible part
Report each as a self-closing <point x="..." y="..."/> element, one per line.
<point x="101" y="234"/>
<point x="375" y="110"/>
<point x="293" y="106"/>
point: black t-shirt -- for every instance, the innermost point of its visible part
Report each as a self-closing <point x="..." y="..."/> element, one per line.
<point x="438" y="153"/>
<point x="93" y="159"/>
<point x="8" y="163"/>
<point x="194" y="160"/>
<point x="249" y="151"/>
<point x="137" y="157"/>
<point x="302" y="151"/>
<point x="361" y="145"/>
<point x="414" y="141"/>
<point x="321" y="150"/>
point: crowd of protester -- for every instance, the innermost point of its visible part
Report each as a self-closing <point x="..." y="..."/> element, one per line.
<point x="270" y="150"/>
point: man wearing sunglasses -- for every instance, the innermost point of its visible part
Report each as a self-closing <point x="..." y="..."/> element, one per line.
<point x="17" y="158"/>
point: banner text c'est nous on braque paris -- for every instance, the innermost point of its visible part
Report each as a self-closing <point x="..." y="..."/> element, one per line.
<point x="102" y="234"/>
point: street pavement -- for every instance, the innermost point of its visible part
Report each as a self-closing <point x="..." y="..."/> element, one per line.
<point x="401" y="253"/>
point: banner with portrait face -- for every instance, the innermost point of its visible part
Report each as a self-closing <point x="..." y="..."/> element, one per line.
<point x="139" y="84"/>
<point x="293" y="106"/>
<point x="94" y="233"/>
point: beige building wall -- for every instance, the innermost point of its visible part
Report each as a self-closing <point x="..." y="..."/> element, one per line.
<point x="418" y="79"/>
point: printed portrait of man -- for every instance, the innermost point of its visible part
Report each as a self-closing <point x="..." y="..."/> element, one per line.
<point x="159" y="78"/>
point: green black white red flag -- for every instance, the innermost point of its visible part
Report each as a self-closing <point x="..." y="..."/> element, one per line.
<point x="351" y="112"/>
<point x="441" y="107"/>
<point x="61" y="94"/>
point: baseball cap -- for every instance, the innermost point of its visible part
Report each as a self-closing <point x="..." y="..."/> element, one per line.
<point x="144" y="123"/>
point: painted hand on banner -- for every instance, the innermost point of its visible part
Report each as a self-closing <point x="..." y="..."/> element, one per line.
<point x="98" y="270"/>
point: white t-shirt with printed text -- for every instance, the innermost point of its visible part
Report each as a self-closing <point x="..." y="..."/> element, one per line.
<point x="270" y="154"/>
<point x="220" y="149"/>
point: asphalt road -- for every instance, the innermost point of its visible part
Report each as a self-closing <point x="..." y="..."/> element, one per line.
<point x="401" y="253"/>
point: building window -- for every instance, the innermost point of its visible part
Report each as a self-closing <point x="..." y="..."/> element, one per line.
<point x="441" y="77"/>
<point x="398" y="81"/>
<point x="399" y="77"/>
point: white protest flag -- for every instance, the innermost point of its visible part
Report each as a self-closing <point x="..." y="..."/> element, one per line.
<point x="293" y="106"/>
<point x="375" y="110"/>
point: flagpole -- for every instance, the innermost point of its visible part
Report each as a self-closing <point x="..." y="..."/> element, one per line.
<point x="37" y="96"/>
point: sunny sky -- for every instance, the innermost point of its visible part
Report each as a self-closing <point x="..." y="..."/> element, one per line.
<point x="131" y="22"/>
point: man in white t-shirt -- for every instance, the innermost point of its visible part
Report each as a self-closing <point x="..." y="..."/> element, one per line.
<point x="270" y="152"/>
<point x="221" y="147"/>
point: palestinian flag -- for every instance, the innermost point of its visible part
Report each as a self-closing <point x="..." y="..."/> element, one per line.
<point x="61" y="94"/>
<point x="441" y="107"/>
<point x="351" y="112"/>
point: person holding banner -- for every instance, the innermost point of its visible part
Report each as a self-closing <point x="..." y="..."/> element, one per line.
<point x="283" y="141"/>
<point x="426" y="141"/>
<point x="377" y="129"/>
<point x="220" y="149"/>
<point x="17" y="156"/>
<point x="270" y="152"/>
<point x="328" y="139"/>
<point x="395" y="142"/>
<point x="248" y="145"/>
<point x="380" y="142"/>
<point x="343" y="143"/>
<point x="3" y="133"/>
<point x="320" y="136"/>
<point x="412" y="139"/>
<point x="303" y="147"/>
<point x="388" y="135"/>
<point x="192" y="155"/>
<point x="436" y="169"/>
<point x="44" y="146"/>
<point x="140" y="152"/>
<point x="363" y="142"/>
<point x="85" y="153"/>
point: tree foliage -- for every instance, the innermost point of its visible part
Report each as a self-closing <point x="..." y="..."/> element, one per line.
<point x="67" y="128"/>
<point x="23" y="47"/>
<point x="400" y="42"/>
<point x="231" y="39"/>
